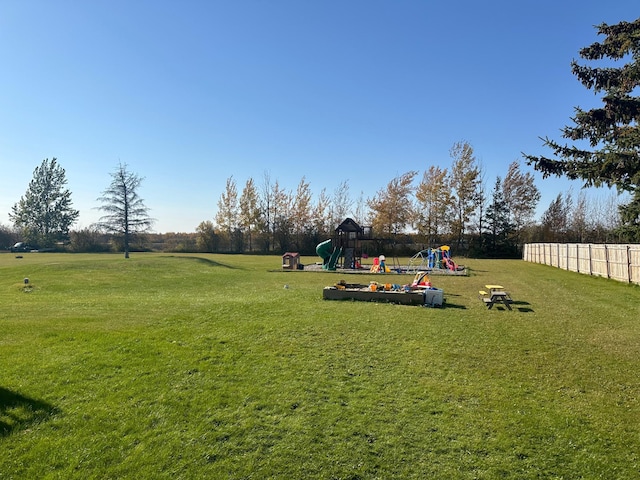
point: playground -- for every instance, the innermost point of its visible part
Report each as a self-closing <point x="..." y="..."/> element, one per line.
<point x="345" y="252"/>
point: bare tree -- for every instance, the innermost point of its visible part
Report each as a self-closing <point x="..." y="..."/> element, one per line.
<point x="127" y="215"/>
<point x="342" y="203"/>
<point x="266" y="211"/>
<point x="360" y="212"/>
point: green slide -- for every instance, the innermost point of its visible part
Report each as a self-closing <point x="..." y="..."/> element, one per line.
<point x="328" y="254"/>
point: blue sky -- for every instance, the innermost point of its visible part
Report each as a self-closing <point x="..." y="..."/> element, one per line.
<point x="189" y="93"/>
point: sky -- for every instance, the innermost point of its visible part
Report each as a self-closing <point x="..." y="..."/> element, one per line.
<point x="190" y="93"/>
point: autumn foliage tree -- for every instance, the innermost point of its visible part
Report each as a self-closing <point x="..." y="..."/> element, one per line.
<point x="227" y="217"/>
<point x="465" y="185"/>
<point x="433" y="204"/>
<point x="392" y="206"/>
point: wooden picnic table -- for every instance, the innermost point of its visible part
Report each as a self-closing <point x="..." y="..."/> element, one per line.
<point x="496" y="294"/>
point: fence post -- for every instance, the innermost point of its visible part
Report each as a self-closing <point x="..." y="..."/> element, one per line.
<point x="628" y="264"/>
<point x="590" y="261"/>
<point x="606" y="259"/>
<point x="578" y="257"/>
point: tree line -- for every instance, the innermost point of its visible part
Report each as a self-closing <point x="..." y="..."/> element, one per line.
<point x="452" y="204"/>
<point x="443" y="205"/>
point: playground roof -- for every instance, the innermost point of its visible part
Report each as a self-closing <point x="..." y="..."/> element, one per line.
<point x="349" y="225"/>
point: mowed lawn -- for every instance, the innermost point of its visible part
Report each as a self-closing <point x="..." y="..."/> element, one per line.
<point x="206" y="366"/>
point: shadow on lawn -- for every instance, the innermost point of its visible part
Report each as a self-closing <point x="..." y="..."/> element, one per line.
<point x="519" y="306"/>
<point x="448" y="304"/>
<point x="18" y="411"/>
<point x="206" y="261"/>
<point x="522" y="306"/>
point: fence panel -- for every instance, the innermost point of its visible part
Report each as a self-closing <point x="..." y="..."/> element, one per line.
<point x="619" y="262"/>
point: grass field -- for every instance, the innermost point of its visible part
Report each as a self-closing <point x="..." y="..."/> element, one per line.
<point x="205" y="366"/>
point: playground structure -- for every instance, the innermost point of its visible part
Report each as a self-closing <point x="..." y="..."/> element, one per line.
<point x="345" y="248"/>
<point x="435" y="260"/>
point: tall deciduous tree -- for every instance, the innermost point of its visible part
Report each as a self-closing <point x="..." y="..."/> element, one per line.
<point x="434" y="202"/>
<point x="266" y="200"/>
<point x="606" y="148"/>
<point x="465" y="181"/>
<point x="44" y="213"/>
<point x="520" y="195"/>
<point x="227" y="217"/>
<point x="392" y="209"/>
<point x="249" y="215"/>
<point x="555" y="220"/>
<point x="321" y="215"/>
<point x="281" y="216"/>
<point x="207" y="239"/>
<point x="301" y="211"/>
<point x="126" y="213"/>
<point x="342" y="203"/>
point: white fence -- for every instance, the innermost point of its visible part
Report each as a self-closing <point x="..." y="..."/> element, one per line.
<point x="619" y="262"/>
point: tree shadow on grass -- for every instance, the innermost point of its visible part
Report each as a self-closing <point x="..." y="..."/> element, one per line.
<point x="206" y="261"/>
<point x="18" y="411"/>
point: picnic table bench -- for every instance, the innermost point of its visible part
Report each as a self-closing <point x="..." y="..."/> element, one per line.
<point x="496" y="295"/>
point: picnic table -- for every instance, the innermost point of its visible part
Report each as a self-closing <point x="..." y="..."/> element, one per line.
<point x="496" y="295"/>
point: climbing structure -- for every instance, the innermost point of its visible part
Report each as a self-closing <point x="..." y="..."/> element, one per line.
<point x="346" y="245"/>
<point x="434" y="259"/>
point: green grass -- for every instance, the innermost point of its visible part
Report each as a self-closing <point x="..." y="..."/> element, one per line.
<point x="205" y="366"/>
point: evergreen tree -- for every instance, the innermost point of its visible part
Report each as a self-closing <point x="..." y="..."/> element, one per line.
<point x="612" y="132"/>
<point x="497" y="223"/>
<point x="127" y="214"/>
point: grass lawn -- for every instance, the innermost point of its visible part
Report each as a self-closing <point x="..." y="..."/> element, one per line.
<point x="205" y="366"/>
